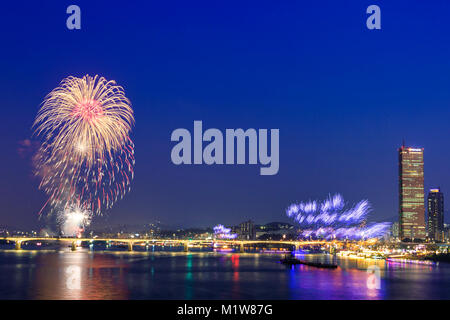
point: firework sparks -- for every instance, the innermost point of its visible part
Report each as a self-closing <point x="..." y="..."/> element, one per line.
<point x="73" y="221"/>
<point x="86" y="158"/>
<point x="328" y="219"/>
<point x="221" y="232"/>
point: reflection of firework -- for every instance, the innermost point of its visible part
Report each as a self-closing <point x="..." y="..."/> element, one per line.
<point x="73" y="221"/>
<point x="86" y="158"/>
<point x="328" y="219"/>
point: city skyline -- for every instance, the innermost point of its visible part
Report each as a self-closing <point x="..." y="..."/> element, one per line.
<point x="283" y="219"/>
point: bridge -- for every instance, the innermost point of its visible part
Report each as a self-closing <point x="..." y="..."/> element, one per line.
<point x="185" y="243"/>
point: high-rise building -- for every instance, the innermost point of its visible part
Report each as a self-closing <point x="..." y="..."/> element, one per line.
<point x="436" y="215"/>
<point x="394" y="231"/>
<point x="411" y="194"/>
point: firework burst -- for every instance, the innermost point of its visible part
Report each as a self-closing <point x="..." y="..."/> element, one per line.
<point x="86" y="157"/>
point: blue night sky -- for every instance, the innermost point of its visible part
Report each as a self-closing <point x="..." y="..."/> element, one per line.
<point x="342" y="96"/>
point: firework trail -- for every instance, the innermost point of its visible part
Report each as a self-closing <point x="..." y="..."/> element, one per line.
<point x="329" y="219"/>
<point x="86" y="157"/>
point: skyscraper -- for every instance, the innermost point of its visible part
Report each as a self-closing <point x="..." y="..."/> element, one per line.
<point x="436" y="215"/>
<point x="411" y="194"/>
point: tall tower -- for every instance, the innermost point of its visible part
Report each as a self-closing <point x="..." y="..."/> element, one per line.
<point x="411" y="192"/>
<point x="436" y="215"/>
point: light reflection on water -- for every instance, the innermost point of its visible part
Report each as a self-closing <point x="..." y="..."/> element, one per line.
<point x="84" y="274"/>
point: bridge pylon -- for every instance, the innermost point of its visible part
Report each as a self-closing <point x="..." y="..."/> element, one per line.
<point x="130" y="245"/>
<point x="241" y="247"/>
<point x="74" y="246"/>
<point x="186" y="246"/>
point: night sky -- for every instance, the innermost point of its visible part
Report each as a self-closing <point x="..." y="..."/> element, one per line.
<point x="344" y="97"/>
